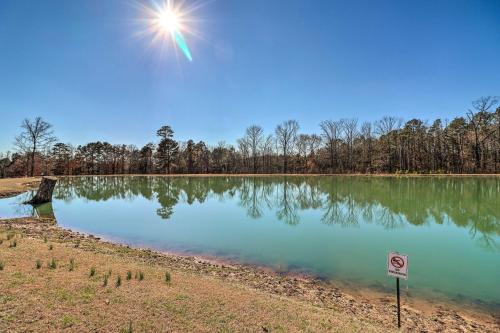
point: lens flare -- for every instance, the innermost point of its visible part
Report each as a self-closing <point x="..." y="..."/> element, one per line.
<point x="167" y="21"/>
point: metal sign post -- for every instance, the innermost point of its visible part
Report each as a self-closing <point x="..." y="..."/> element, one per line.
<point x="397" y="266"/>
<point x="399" y="308"/>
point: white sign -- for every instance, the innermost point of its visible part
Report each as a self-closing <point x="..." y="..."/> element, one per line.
<point x="397" y="265"/>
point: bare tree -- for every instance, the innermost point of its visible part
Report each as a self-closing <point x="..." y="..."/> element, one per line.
<point x="37" y="136"/>
<point x="383" y="128"/>
<point x="350" y="131"/>
<point x="267" y="151"/>
<point x="254" y="136"/>
<point x="387" y="124"/>
<point x="244" y="148"/>
<point x="286" y="135"/>
<point x="302" y="147"/>
<point x="367" y="137"/>
<point x="480" y="120"/>
<point x="331" y="134"/>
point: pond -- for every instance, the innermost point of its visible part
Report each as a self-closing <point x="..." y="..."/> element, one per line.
<point x="335" y="227"/>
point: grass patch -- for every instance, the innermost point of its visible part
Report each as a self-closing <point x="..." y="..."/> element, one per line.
<point x="2" y="265"/>
<point x="105" y="281"/>
<point x="139" y="275"/>
<point x="52" y="264"/>
<point x="51" y="247"/>
<point x="168" y="277"/>
<point x="38" y="264"/>
<point x="128" y="329"/>
<point x="10" y="235"/>
<point x="118" y="281"/>
<point x="13" y="243"/>
<point x="92" y="271"/>
<point x="129" y="275"/>
<point x="71" y="264"/>
<point x="64" y="295"/>
<point x="67" y="321"/>
<point x="88" y="294"/>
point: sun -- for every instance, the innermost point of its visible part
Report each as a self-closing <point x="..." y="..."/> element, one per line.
<point x="168" y="20"/>
<point x="169" y="24"/>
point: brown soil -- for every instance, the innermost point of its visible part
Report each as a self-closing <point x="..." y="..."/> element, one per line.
<point x="203" y="296"/>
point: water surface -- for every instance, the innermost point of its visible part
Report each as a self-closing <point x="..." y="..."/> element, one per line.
<point x="338" y="228"/>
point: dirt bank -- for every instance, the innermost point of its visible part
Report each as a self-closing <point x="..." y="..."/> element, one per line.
<point x="13" y="186"/>
<point x="202" y="295"/>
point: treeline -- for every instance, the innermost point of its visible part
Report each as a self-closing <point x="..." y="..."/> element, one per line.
<point x="469" y="144"/>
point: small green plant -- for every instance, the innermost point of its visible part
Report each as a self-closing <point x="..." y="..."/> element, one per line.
<point x="168" y="277"/>
<point x="71" y="264"/>
<point x="38" y="264"/>
<point x="129" y="275"/>
<point x="128" y="329"/>
<point x="51" y="247"/>
<point x="52" y="264"/>
<point x="141" y="276"/>
<point x="2" y="265"/>
<point x="67" y="321"/>
<point x="92" y="271"/>
<point x="13" y="243"/>
<point x="118" y="281"/>
<point x="105" y="282"/>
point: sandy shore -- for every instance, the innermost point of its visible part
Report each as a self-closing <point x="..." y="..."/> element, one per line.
<point x="346" y="311"/>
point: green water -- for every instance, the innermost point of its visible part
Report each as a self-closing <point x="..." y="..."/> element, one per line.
<point x="338" y="228"/>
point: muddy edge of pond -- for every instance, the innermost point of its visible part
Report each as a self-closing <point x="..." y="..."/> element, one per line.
<point x="373" y="306"/>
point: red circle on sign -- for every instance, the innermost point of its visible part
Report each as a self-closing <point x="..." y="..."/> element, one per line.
<point x="397" y="262"/>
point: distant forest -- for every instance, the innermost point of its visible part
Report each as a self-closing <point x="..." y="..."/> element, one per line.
<point x="469" y="144"/>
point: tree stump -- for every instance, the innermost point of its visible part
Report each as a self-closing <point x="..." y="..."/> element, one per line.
<point x="45" y="190"/>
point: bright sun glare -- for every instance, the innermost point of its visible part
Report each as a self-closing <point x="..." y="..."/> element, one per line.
<point x="168" y="20"/>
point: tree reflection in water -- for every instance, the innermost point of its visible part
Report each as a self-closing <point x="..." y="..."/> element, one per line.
<point x="44" y="210"/>
<point x="345" y="201"/>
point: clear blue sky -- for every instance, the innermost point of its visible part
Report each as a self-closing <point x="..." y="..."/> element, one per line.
<point x="78" y="65"/>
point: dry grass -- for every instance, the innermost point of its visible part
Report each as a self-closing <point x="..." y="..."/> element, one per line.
<point x="55" y="298"/>
<point x="13" y="186"/>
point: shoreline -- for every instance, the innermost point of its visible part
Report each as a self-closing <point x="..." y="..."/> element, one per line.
<point x="377" y="307"/>
<point x="402" y="175"/>
<point x="421" y="303"/>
